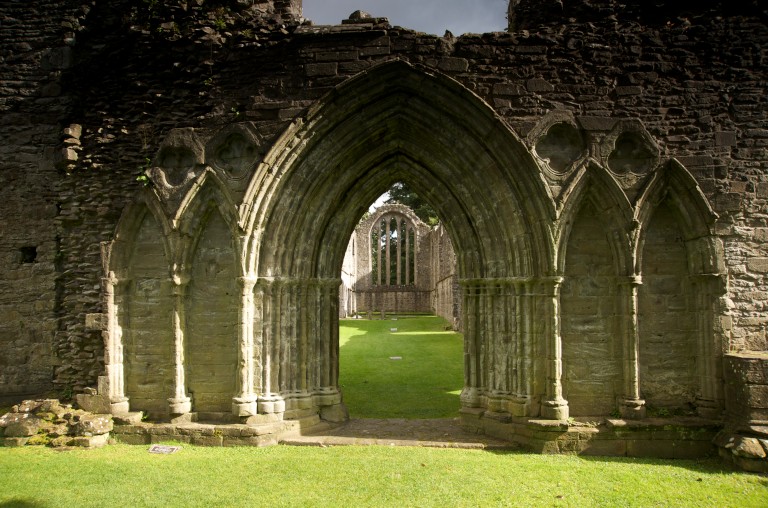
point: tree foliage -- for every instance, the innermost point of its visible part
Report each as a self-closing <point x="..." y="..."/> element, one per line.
<point x="403" y="194"/>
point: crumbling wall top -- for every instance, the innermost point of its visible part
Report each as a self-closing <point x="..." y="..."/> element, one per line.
<point x="529" y="14"/>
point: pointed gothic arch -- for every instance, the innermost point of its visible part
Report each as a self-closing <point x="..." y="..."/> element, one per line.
<point x="399" y="123"/>
<point x="688" y="280"/>
<point x="595" y="260"/>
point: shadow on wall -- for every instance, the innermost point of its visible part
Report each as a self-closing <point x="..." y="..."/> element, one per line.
<point x="405" y="367"/>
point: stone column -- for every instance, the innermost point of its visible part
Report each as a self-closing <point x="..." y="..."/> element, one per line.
<point x="470" y="394"/>
<point x="706" y="289"/>
<point x="244" y="401"/>
<point x="268" y="400"/>
<point x="554" y="406"/>
<point x="180" y="403"/>
<point x="113" y="347"/>
<point x="328" y="396"/>
<point x="523" y="350"/>
<point x="632" y="406"/>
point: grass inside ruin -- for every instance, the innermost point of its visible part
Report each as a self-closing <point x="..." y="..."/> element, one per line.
<point x="408" y="367"/>
<point x="362" y="476"/>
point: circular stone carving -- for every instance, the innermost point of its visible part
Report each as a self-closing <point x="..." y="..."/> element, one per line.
<point x="236" y="155"/>
<point x="561" y="146"/>
<point x="177" y="163"/>
<point x="631" y="155"/>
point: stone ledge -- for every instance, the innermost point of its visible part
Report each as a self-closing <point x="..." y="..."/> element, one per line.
<point x="262" y="433"/>
<point x="688" y="437"/>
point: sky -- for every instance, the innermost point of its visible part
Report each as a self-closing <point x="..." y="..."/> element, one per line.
<point x="430" y="16"/>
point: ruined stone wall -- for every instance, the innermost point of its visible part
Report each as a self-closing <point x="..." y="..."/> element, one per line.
<point x="446" y="297"/>
<point x="347" y="297"/>
<point x="34" y="53"/>
<point x="696" y="85"/>
<point x="413" y="296"/>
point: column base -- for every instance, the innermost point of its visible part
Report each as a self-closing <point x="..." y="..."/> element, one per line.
<point x="327" y="397"/>
<point x="555" y="409"/>
<point x="244" y="407"/>
<point x="632" y="409"/>
<point x="336" y="413"/>
<point x="269" y="404"/>
<point x="469" y="397"/>
<point x="119" y="407"/>
<point x="180" y="406"/>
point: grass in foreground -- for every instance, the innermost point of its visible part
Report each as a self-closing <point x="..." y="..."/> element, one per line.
<point x="424" y="383"/>
<point x="361" y="476"/>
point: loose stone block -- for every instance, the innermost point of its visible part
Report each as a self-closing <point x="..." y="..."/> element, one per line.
<point x="92" y="425"/>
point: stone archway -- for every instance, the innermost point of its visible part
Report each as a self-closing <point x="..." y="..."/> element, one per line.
<point x="397" y="123"/>
<point x="251" y="256"/>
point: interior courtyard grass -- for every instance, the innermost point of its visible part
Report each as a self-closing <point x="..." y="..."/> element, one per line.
<point x="400" y="367"/>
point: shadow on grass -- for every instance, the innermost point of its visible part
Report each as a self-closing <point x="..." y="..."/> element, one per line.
<point x="20" y="503"/>
<point x="707" y="466"/>
<point x="409" y="367"/>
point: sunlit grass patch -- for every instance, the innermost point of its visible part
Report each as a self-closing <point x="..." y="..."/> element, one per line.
<point x="405" y="368"/>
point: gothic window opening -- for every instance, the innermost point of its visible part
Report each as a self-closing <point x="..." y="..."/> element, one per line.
<point x="393" y="252"/>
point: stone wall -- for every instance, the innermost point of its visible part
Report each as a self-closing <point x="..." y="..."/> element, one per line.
<point x="652" y="128"/>
<point x="34" y="55"/>
<point x="446" y="295"/>
<point x="744" y="440"/>
<point x="347" y="296"/>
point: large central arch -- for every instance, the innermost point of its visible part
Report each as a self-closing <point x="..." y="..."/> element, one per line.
<point x="398" y="123"/>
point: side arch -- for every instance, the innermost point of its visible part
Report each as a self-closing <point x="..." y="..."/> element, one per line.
<point x="681" y="261"/>
<point x="139" y="342"/>
<point x="595" y="259"/>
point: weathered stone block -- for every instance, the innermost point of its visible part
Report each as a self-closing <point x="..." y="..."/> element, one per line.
<point x="648" y="448"/>
<point x="23" y="427"/>
<point x="90" y="441"/>
<point x="609" y="447"/>
<point x="133" y="439"/>
<point x="13" y="442"/>
<point x="759" y="264"/>
<point x="322" y="69"/>
<point x="206" y="440"/>
<point x="94" y="424"/>
<point x="93" y="403"/>
<point x="452" y="64"/>
<point x="539" y="85"/>
<point x="747" y="447"/>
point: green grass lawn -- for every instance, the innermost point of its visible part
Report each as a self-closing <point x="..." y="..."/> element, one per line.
<point x="124" y="475"/>
<point x="424" y="383"/>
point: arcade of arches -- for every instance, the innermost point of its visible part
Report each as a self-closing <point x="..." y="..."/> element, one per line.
<point x="180" y="181"/>
<point x="588" y="271"/>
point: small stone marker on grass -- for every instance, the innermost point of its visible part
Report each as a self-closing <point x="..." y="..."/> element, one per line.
<point x="393" y="330"/>
<point x="395" y="357"/>
<point x="164" y="449"/>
